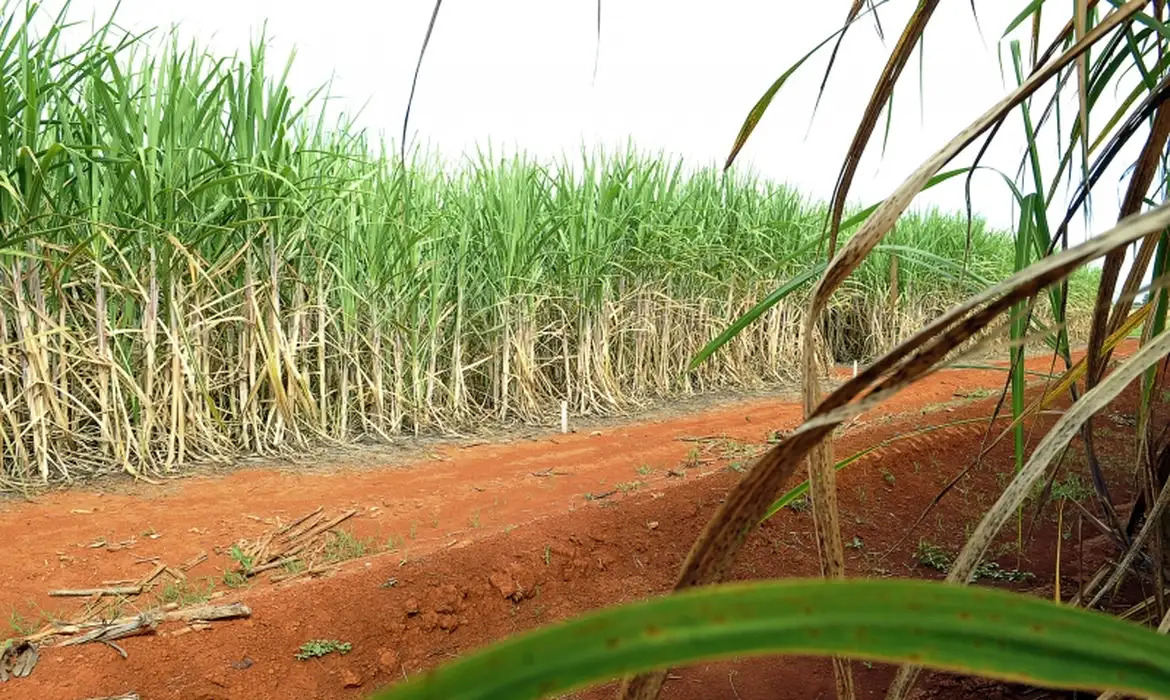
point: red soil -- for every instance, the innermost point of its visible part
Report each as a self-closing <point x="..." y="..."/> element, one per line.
<point x="479" y="522"/>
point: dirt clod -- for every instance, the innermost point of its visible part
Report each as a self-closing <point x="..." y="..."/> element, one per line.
<point x="515" y="584"/>
<point x="446" y="599"/>
<point x="350" y="678"/>
<point x="388" y="661"/>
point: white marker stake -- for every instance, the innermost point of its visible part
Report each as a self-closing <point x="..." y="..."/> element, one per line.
<point x="564" y="416"/>
<point x="855" y="368"/>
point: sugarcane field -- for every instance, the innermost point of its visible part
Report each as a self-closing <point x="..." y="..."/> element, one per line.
<point x="577" y="350"/>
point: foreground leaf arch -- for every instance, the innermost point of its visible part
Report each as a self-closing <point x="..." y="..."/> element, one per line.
<point x="992" y="633"/>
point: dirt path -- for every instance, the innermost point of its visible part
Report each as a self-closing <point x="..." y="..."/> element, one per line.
<point x="566" y="523"/>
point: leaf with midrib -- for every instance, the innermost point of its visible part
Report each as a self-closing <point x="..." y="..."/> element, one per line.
<point x="972" y="630"/>
<point x="799" y="281"/>
<point x="761" y="106"/>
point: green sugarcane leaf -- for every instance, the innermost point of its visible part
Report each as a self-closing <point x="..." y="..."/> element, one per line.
<point x="795" y="283"/>
<point x="756" y="311"/>
<point x="802" y="488"/>
<point x="965" y="629"/>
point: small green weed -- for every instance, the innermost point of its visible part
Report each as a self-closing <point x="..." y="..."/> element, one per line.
<point x="939" y="559"/>
<point x="934" y="556"/>
<point x="645" y="470"/>
<point x="1073" y="487"/>
<point x="978" y="394"/>
<point x="186" y="592"/>
<point x="733" y="449"/>
<point x="343" y="546"/>
<point x="316" y="648"/>
<point x="234" y="579"/>
<point x="991" y="570"/>
<point x="20" y="624"/>
<point x="934" y="408"/>
<point x="888" y="476"/>
<point x="244" y="560"/>
<point x="25" y="624"/>
<point x="801" y="504"/>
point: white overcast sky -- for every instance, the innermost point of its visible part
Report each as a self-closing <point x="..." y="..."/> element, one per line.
<point x="674" y="75"/>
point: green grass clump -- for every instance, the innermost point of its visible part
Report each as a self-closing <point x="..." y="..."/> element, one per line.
<point x="186" y="592"/>
<point x="801" y="504"/>
<point x="939" y="559"/>
<point x="1073" y="487"/>
<point x="343" y="545"/>
<point x="234" y="579"/>
<point x="316" y="648"/>
<point x="26" y="622"/>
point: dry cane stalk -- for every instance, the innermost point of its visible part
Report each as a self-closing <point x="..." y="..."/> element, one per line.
<point x="343" y="390"/>
<point x="8" y="365"/>
<point x="103" y="369"/>
<point x="275" y="375"/>
<point x="175" y="442"/>
<point x="376" y="363"/>
<point x="251" y="333"/>
<point x="399" y="406"/>
<point x="150" y="342"/>
<point x="27" y="335"/>
<point x="322" y="411"/>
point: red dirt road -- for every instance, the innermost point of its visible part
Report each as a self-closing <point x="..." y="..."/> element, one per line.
<point x="482" y="522"/>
